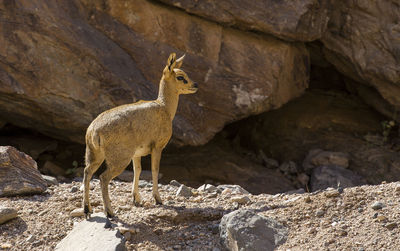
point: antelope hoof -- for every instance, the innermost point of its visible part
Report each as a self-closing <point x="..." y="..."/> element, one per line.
<point x="87" y="210"/>
<point x="109" y="213"/>
<point x="137" y="200"/>
<point x="158" y="199"/>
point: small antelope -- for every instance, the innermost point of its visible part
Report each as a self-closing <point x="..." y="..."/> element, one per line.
<point x="128" y="132"/>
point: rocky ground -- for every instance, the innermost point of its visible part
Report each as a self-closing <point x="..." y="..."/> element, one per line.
<point x="357" y="218"/>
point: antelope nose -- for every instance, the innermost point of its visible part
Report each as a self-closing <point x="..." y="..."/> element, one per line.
<point x="195" y="85"/>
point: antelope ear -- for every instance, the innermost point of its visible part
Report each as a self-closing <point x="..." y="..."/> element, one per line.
<point x="179" y="61"/>
<point x="171" y="62"/>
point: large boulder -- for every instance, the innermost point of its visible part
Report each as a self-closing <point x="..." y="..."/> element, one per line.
<point x="93" y="234"/>
<point x="304" y="20"/>
<point x="18" y="173"/>
<point x="246" y="230"/>
<point x="318" y="157"/>
<point x="333" y="176"/>
<point x="362" y="42"/>
<point x="66" y="62"/>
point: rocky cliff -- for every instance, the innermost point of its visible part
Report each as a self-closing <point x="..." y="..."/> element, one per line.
<point x="64" y="62"/>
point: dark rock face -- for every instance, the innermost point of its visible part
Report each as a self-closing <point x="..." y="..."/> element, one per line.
<point x="290" y="20"/>
<point x="362" y="41"/>
<point x="18" y="173"/>
<point x="64" y="63"/>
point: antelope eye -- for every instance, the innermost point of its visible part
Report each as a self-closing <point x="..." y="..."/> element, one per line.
<point x="181" y="78"/>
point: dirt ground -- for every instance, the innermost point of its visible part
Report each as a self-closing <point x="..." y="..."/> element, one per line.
<point x="324" y="220"/>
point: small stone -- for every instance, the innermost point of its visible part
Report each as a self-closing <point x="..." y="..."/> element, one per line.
<point x="375" y="215"/>
<point x="198" y="199"/>
<point x="175" y="183"/>
<point x="312" y="231"/>
<point x="236" y="189"/>
<point x="342" y="233"/>
<point x="125" y="207"/>
<point x="377" y="205"/>
<point x="381" y="218"/>
<point x="212" y="195"/>
<point x="208" y="188"/>
<point x="307" y="199"/>
<point x="320" y="213"/>
<point x="37" y="243"/>
<point x="30" y="238"/>
<point x="330" y="193"/>
<point x="241" y="199"/>
<point x="226" y="192"/>
<point x="360" y="210"/>
<point x="7" y="214"/>
<point x="50" y="180"/>
<point x="74" y="189"/>
<point x="77" y="212"/>
<point x="397" y="188"/>
<point x="43" y="212"/>
<point x="391" y="225"/>
<point x="5" y="246"/>
<point x="143" y="183"/>
<point x="294" y="199"/>
<point x="184" y="191"/>
<point x="327" y="243"/>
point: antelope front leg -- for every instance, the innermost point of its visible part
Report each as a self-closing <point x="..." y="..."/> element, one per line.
<point x="135" y="186"/>
<point x="155" y="166"/>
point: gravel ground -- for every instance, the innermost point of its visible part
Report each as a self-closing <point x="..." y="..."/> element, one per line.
<point x="325" y="220"/>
